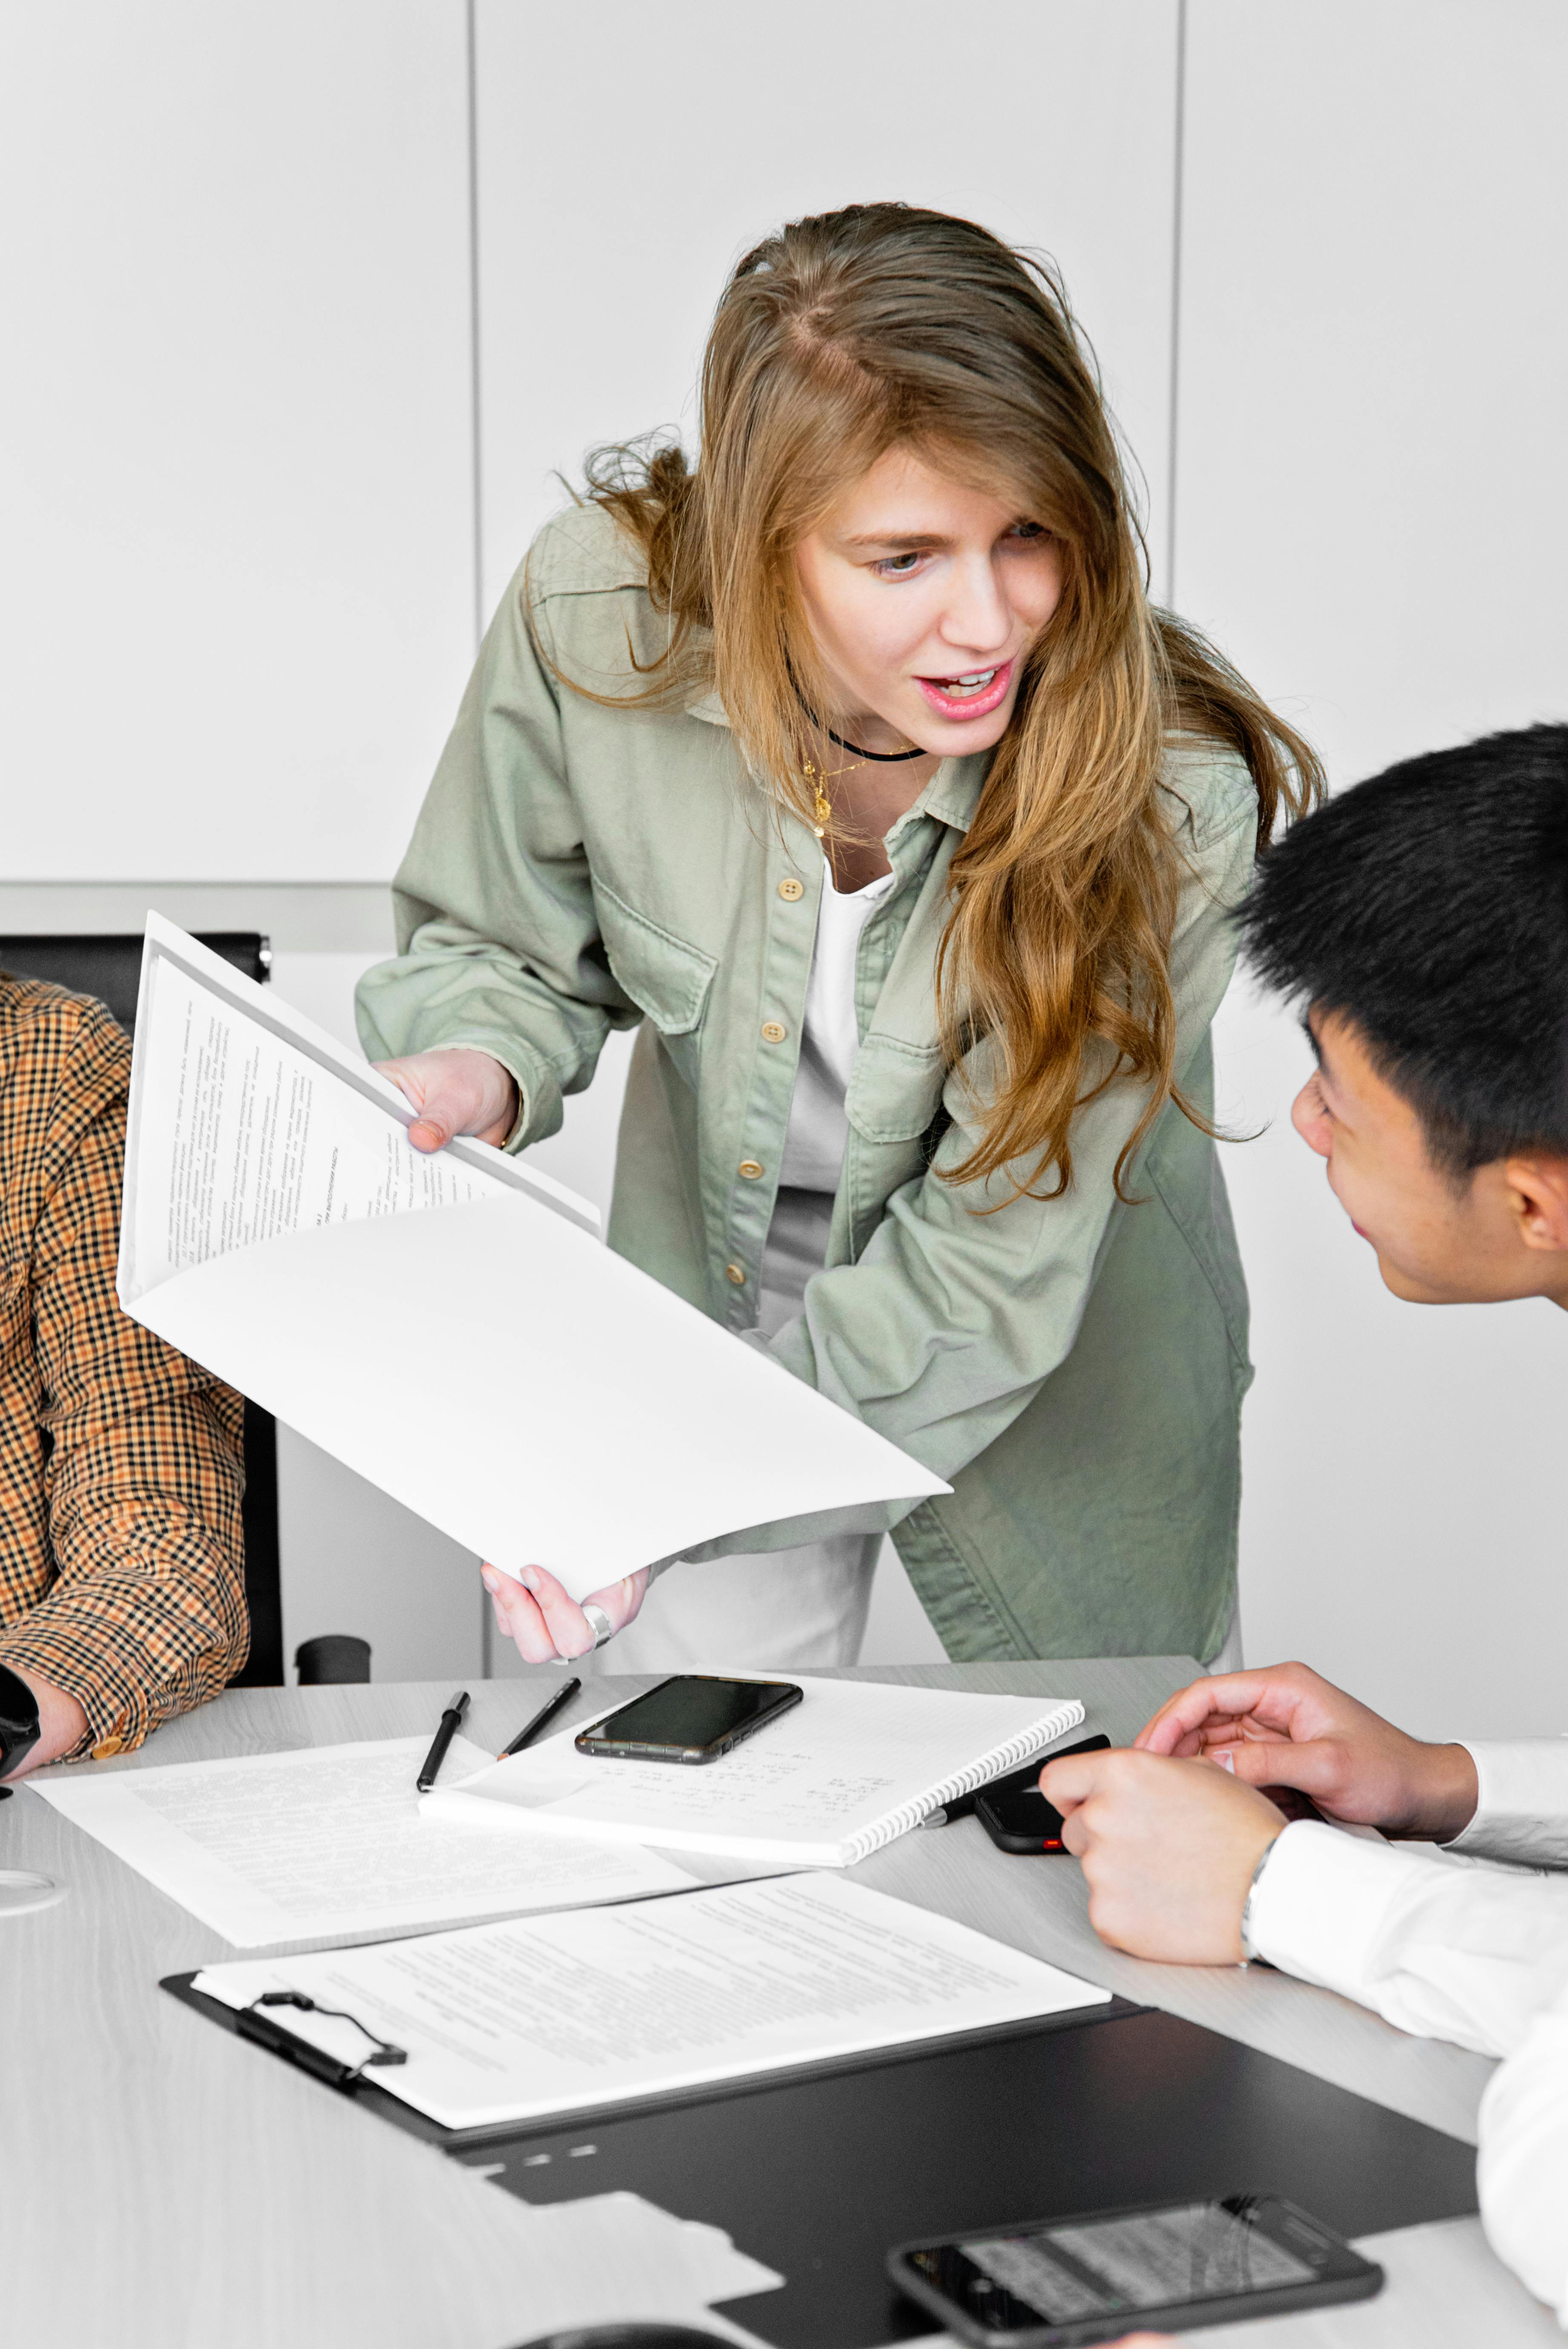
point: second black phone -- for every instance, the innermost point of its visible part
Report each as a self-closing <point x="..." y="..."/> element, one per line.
<point x="1016" y="1815"/>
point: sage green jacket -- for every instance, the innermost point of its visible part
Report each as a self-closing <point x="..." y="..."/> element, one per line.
<point x="1074" y="1366"/>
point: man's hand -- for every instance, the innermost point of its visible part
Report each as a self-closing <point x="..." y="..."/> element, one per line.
<point x="1168" y="1850"/>
<point x="544" y="1622"/>
<point x="455" y="1091"/>
<point x="1287" y="1727"/>
<point x="62" y="1724"/>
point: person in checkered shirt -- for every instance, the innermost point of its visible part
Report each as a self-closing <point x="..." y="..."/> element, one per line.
<point x="122" y="1596"/>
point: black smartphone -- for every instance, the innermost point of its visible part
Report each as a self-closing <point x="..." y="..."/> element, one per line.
<point x="692" y="1717"/>
<point x="1016" y="1815"/>
<point x="1061" y="2283"/>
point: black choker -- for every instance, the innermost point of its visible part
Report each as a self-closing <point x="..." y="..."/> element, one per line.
<point x="880" y="758"/>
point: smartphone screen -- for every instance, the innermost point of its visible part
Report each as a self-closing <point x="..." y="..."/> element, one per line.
<point x="1125" y="2264"/>
<point x="694" y="1716"/>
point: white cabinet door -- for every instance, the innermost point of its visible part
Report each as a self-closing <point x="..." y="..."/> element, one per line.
<point x="235" y="417"/>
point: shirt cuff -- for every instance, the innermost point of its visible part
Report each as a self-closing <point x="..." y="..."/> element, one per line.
<point x="117" y="1715"/>
<point x="538" y="1097"/>
<point x="1522" y="1812"/>
<point x="1321" y="1905"/>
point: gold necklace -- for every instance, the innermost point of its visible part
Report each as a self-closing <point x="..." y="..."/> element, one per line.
<point x="814" y="777"/>
<point x="821" y="805"/>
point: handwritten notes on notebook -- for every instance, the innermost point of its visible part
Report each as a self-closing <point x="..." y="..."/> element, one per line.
<point x="304" y="1847"/>
<point x="556" y="2014"/>
<point x="854" y="1765"/>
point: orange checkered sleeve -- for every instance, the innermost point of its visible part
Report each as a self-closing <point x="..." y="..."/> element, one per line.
<point x="121" y="1577"/>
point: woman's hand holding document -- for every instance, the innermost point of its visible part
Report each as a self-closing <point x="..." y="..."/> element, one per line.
<point x="557" y="2014"/>
<point x="481" y="1359"/>
<point x="852" y="1766"/>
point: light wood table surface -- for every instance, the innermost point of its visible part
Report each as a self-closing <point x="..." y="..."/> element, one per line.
<point x="162" y="2187"/>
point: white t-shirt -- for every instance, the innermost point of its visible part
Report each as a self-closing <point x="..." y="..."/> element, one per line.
<point x="818" y="1130"/>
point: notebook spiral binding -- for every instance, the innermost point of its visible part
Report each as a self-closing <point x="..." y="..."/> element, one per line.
<point x="1010" y="1756"/>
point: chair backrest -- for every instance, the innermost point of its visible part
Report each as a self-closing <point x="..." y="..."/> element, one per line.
<point x="110" y="967"/>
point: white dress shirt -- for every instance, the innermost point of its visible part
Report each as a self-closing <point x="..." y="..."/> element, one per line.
<point x="1523" y="1813"/>
<point x="1476" y="1954"/>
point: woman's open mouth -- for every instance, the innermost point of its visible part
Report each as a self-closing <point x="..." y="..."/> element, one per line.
<point x="973" y="693"/>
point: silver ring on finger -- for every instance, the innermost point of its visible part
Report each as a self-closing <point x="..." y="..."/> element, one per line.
<point x="599" y="1623"/>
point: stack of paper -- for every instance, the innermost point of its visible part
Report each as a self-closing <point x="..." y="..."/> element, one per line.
<point x="557" y="2014"/>
<point x="305" y="1847"/>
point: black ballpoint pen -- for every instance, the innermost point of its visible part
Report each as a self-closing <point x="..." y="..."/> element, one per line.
<point x="960" y="1807"/>
<point x="546" y="1713"/>
<point x="451" y="1721"/>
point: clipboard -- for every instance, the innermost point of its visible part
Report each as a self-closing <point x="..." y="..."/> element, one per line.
<point x="819" y="2169"/>
<point x="271" y="2033"/>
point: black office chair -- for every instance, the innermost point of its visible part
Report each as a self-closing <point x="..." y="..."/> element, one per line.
<point x="110" y="967"/>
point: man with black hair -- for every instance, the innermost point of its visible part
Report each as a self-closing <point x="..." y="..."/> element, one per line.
<point x="1422" y="920"/>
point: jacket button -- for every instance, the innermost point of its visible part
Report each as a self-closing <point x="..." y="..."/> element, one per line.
<point x="772" y="1032"/>
<point x="734" y="1274"/>
<point x="792" y="890"/>
<point x="751" y="1169"/>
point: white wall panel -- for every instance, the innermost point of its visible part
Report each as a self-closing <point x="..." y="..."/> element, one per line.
<point x="235" y="412"/>
<point x="1372" y="504"/>
<point x="1373" y="494"/>
<point x="626" y="160"/>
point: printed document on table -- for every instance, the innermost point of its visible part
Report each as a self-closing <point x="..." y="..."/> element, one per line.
<point x="557" y="2014"/>
<point x="449" y="1326"/>
<point x="302" y="1846"/>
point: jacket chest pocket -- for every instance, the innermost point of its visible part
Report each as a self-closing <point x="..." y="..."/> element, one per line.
<point x="893" y="1100"/>
<point x="895" y="1089"/>
<point x="666" y="977"/>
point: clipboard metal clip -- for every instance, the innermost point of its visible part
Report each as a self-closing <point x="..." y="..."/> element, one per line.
<point x="280" y="2041"/>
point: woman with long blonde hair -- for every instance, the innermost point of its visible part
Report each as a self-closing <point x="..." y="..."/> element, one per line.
<point x="854" y="763"/>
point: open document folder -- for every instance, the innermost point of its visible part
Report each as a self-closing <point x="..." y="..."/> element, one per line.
<point x="450" y="1327"/>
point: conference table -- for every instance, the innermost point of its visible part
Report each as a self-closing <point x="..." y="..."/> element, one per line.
<point x="162" y="2184"/>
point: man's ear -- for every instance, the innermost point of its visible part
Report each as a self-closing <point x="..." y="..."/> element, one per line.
<point x="1539" y="1191"/>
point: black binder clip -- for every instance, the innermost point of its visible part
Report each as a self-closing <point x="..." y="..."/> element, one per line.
<point x="251" y="2024"/>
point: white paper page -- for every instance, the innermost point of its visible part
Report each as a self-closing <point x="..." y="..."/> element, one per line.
<point x="247" y="1120"/>
<point x="615" y="2239"/>
<point x="533" y="1394"/>
<point x="300" y="1847"/>
<point x="481" y="1362"/>
<point x="553" y="2014"/>
<point x="846" y="1755"/>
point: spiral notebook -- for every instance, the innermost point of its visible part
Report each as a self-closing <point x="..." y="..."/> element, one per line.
<point x="853" y="1765"/>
